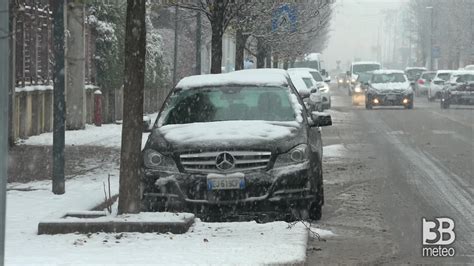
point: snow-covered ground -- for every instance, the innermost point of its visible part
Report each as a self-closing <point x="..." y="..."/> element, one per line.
<point x="205" y="243"/>
<point x="108" y="135"/>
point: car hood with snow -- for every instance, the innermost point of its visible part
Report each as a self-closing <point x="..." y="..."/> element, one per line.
<point x="276" y="137"/>
<point x="392" y="87"/>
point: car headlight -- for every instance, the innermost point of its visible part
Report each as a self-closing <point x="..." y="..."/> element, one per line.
<point x="155" y="160"/>
<point x="353" y="80"/>
<point x="357" y="89"/>
<point x="298" y="154"/>
<point x="341" y="81"/>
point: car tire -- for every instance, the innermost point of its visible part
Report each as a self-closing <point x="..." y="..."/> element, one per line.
<point x="315" y="207"/>
<point x="444" y="104"/>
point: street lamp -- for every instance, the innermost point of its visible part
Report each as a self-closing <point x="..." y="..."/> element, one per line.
<point x="431" y="36"/>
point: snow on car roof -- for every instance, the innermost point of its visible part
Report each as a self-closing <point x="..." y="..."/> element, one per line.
<point x="297" y="69"/>
<point x="263" y="77"/>
<point x="410" y="68"/>
<point x="388" y="71"/>
<point x="463" y="72"/>
<point x="365" y="63"/>
<point x="444" y="71"/>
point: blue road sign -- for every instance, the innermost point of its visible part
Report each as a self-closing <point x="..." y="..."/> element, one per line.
<point x="436" y="52"/>
<point x="284" y="18"/>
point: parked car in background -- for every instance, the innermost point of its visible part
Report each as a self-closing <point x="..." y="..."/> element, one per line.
<point x="321" y="84"/>
<point x="235" y="142"/>
<point x="437" y="84"/>
<point x="413" y="74"/>
<point x="469" y="67"/>
<point x="360" y="87"/>
<point x="461" y="91"/>
<point x="423" y="83"/>
<point x="389" y="88"/>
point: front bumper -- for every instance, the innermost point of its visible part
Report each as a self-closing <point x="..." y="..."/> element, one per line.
<point x="456" y="97"/>
<point x="379" y="99"/>
<point x="263" y="189"/>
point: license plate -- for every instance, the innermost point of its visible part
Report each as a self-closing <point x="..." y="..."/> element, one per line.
<point x="221" y="182"/>
<point x="391" y="97"/>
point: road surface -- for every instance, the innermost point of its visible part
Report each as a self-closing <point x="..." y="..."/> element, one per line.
<point x="396" y="167"/>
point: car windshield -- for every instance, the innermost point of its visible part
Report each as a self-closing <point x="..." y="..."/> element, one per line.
<point x="359" y="68"/>
<point x="413" y="74"/>
<point x="428" y="76"/>
<point x="465" y="78"/>
<point x="316" y="76"/>
<point x="364" y="77"/>
<point x="229" y="103"/>
<point x="444" y="76"/>
<point x="388" y="78"/>
<point x="308" y="82"/>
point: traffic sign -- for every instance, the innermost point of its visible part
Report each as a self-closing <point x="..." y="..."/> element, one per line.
<point x="284" y="18"/>
<point x="436" y="52"/>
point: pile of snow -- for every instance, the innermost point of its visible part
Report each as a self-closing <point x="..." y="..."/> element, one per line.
<point x="34" y="88"/>
<point x="335" y="151"/>
<point x="227" y="130"/>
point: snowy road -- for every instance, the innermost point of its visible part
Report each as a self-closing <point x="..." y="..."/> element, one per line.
<point x="400" y="166"/>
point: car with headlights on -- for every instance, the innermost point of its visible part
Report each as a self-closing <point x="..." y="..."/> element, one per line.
<point x="360" y="87"/>
<point x="460" y="92"/>
<point x="321" y="83"/>
<point x="239" y="143"/>
<point x="389" y="88"/>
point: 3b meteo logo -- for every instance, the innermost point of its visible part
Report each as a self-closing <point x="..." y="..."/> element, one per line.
<point x="438" y="235"/>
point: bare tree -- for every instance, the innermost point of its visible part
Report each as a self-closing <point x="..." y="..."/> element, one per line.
<point x="131" y="159"/>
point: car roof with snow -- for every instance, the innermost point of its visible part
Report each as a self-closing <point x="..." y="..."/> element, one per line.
<point x="262" y="77"/>
<point x="388" y="71"/>
<point x="415" y="68"/>
<point x="297" y="69"/>
<point x="444" y="71"/>
<point x="365" y="63"/>
<point x="462" y="72"/>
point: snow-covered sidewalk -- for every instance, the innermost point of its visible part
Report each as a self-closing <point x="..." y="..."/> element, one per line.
<point x="205" y="243"/>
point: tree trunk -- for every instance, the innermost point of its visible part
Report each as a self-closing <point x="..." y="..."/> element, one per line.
<point x="240" y="41"/>
<point x="134" y="73"/>
<point x="216" y="50"/>
<point x="260" y="53"/>
<point x="275" y="60"/>
<point x="285" y="64"/>
<point x="268" y="57"/>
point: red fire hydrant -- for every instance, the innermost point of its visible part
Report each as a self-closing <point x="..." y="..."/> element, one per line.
<point x="98" y="108"/>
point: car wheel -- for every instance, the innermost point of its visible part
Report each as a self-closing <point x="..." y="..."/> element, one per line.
<point x="444" y="104"/>
<point x="315" y="209"/>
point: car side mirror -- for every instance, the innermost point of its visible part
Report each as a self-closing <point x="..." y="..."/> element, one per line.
<point x="304" y="94"/>
<point x="320" y="119"/>
<point x="146" y="123"/>
<point x="327" y="80"/>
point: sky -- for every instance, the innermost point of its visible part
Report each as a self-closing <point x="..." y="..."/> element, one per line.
<point x="355" y="30"/>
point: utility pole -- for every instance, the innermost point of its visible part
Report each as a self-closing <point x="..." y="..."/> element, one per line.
<point x="59" y="97"/>
<point x="4" y="83"/>
<point x="175" y="54"/>
<point x="431" y="36"/>
<point x="198" y="43"/>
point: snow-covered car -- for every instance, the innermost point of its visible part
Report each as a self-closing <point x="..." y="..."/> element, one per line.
<point x="422" y="85"/>
<point x="360" y="87"/>
<point x="460" y="92"/>
<point x="308" y="88"/>
<point x="389" y="88"/>
<point x="437" y="84"/>
<point x="469" y="67"/>
<point x="414" y="73"/>
<point x="320" y="82"/>
<point x="235" y="143"/>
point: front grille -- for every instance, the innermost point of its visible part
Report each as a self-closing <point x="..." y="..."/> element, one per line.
<point x="205" y="162"/>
